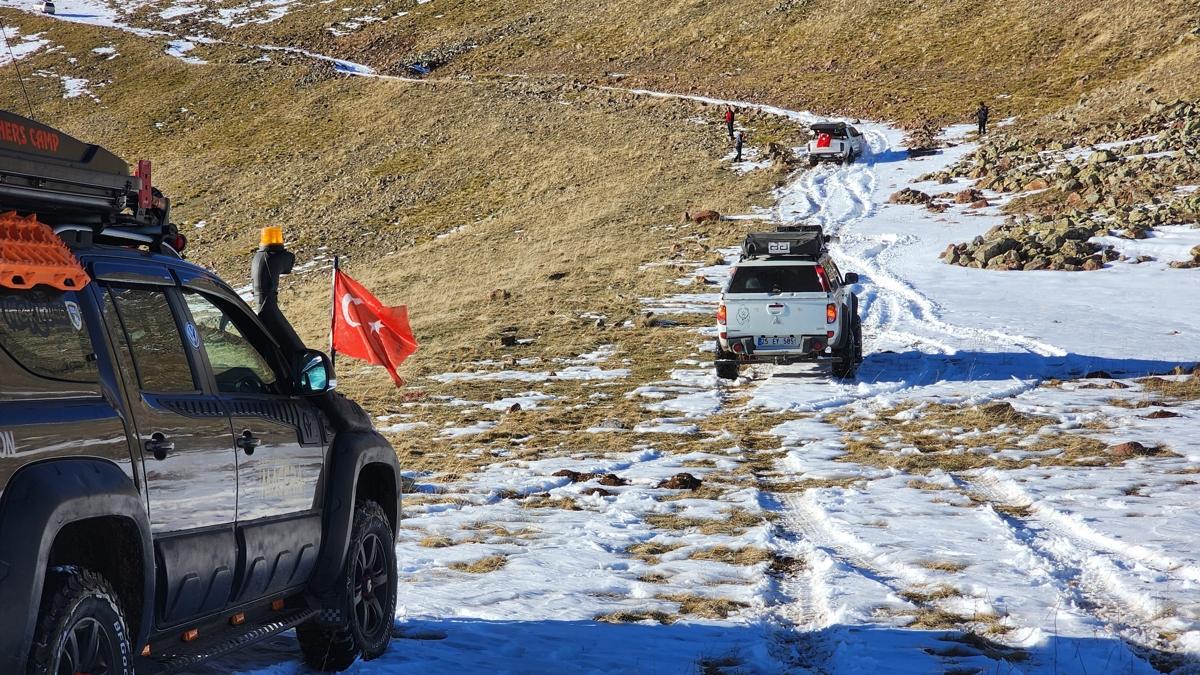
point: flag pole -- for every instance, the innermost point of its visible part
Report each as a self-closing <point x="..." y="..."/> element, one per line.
<point x="337" y="265"/>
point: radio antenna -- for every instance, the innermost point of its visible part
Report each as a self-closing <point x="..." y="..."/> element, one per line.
<point x="20" y="80"/>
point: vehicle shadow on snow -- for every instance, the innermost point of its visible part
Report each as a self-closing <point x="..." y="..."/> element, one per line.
<point x="466" y="646"/>
<point x="462" y="645"/>
<point x="917" y="368"/>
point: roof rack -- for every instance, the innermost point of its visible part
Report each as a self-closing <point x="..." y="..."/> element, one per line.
<point x="83" y="192"/>
<point x="788" y="241"/>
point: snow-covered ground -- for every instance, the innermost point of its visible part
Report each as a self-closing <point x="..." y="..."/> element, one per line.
<point x="1022" y="563"/>
<point x="1039" y="566"/>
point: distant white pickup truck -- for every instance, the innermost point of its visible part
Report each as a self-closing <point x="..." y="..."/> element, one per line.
<point x="835" y="142"/>
<point x="786" y="301"/>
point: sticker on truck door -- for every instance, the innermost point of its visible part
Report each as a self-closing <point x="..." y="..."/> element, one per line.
<point x="779" y="247"/>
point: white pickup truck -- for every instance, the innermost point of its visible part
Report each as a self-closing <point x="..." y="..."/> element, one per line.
<point x="786" y="301"/>
<point x="835" y="141"/>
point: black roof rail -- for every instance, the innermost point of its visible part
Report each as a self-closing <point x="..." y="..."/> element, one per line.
<point x="75" y="186"/>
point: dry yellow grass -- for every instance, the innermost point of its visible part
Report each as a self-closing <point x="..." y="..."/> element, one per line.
<point x="735" y="522"/>
<point x="708" y="608"/>
<point x="629" y="616"/>
<point x="748" y="555"/>
<point x="921" y="595"/>
<point x="481" y="566"/>
<point x="649" y="551"/>
<point x="942" y="565"/>
<point x="436" y="541"/>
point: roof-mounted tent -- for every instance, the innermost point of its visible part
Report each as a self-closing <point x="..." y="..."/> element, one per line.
<point x="78" y="187"/>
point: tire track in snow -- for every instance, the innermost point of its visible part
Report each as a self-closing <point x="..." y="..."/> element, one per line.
<point x="1088" y="578"/>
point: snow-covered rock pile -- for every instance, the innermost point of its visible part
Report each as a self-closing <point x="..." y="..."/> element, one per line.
<point x="1128" y="187"/>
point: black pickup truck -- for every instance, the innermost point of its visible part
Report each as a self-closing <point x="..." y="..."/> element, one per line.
<point x="178" y="478"/>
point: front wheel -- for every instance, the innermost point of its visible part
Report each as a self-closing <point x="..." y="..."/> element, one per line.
<point x="82" y="628"/>
<point x="364" y="626"/>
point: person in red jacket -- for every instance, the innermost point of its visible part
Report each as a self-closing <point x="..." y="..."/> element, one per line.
<point x="729" y="121"/>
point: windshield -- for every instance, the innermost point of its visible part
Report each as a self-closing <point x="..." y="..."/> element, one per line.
<point x="798" y="279"/>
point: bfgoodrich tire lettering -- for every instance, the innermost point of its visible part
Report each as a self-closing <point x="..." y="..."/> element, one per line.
<point x="81" y="628"/>
<point x="368" y="598"/>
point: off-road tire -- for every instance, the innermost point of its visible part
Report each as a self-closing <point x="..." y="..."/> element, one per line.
<point x="813" y="162"/>
<point x="334" y="647"/>
<point x="727" y="370"/>
<point x="81" y="627"/>
<point x="850" y="355"/>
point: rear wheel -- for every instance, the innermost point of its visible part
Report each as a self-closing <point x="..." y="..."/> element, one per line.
<point x="364" y="625"/>
<point x="850" y="355"/>
<point x="82" y="628"/>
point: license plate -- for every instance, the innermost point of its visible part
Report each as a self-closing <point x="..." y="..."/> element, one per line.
<point x="767" y="342"/>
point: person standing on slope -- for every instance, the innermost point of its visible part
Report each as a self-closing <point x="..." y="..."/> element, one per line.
<point x="729" y="121"/>
<point x="741" y="137"/>
<point x="981" y="116"/>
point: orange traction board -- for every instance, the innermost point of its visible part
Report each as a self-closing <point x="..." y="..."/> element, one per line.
<point x="31" y="254"/>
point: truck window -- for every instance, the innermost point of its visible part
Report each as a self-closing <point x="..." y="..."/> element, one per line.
<point x="236" y="363"/>
<point x="43" y="332"/>
<point x="154" y="339"/>
<point x="797" y="279"/>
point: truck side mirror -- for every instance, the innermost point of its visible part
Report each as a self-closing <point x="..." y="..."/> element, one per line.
<point x="313" y="373"/>
<point x="850" y="277"/>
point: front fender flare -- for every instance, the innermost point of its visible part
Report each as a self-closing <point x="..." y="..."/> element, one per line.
<point x="350" y="452"/>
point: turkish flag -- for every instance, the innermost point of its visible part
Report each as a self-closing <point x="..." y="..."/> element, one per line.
<point x="364" y="328"/>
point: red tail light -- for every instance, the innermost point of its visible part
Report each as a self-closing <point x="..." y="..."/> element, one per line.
<point x="830" y="313"/>
<point x="738" y="347"/>
<point x="823" y="140"/>
<point x="817" y="346"/>
<point x="823" y="277"/>
<point x="721" y="314"/>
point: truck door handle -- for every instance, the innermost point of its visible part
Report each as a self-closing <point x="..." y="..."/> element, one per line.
<point x="248" y="442"/>
<point x="159" y="446"/>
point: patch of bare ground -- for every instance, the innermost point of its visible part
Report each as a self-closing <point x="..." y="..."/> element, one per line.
<point x="959" y="438"/>
<point x="544" y="501"/>
<point x="482" y="566"/>
<point x="704" y="607"/>
<point x="921" y="595"/>
<point x="735" y="521"/>
<point x="649" y="551"/>
<point x="632" y="616"/>
<point x="943" y="565"/>
<point x="653" y="578"/>
<point x="1175" y="389"/>
<point x="717" y="665"/>
<point x="705" y="491"/>
<point x="748" y="555"/>
<point x="438" y="541"/>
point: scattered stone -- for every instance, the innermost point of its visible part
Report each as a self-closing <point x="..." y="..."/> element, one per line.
<point x="701" y="217"/>
<point x="612" y="423"/>
<point x="980" y="204"/>
<point x="1036" y="184"/>
<point x="967" y="196"/>
<point x="910" y="196"/>
<point x="1160" y="415"/>
<point x="574" y="476"/>
<point x="1130" y="449"/>
<point x="500" y="294"/>
<point x="681" y="481"/>
<point x="516" y="407"/>
<point x="555" y="276"/>
<point x="599" y="491"/>
<point x="613" y="480"/>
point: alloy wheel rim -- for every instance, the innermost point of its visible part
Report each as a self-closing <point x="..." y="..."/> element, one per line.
<point x="370" y="585"/>
<point x="86" y="650"/>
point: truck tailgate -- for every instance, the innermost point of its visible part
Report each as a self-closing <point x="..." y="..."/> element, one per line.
<point x="776" y="314"/>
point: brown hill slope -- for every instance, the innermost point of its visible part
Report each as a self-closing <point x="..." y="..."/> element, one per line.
<point x="872" y="58"/>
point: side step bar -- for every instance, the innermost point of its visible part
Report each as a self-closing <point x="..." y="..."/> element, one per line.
<point x="188" y="655"/>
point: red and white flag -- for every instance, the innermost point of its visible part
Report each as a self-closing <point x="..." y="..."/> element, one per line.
<point x="364" y="328"/>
